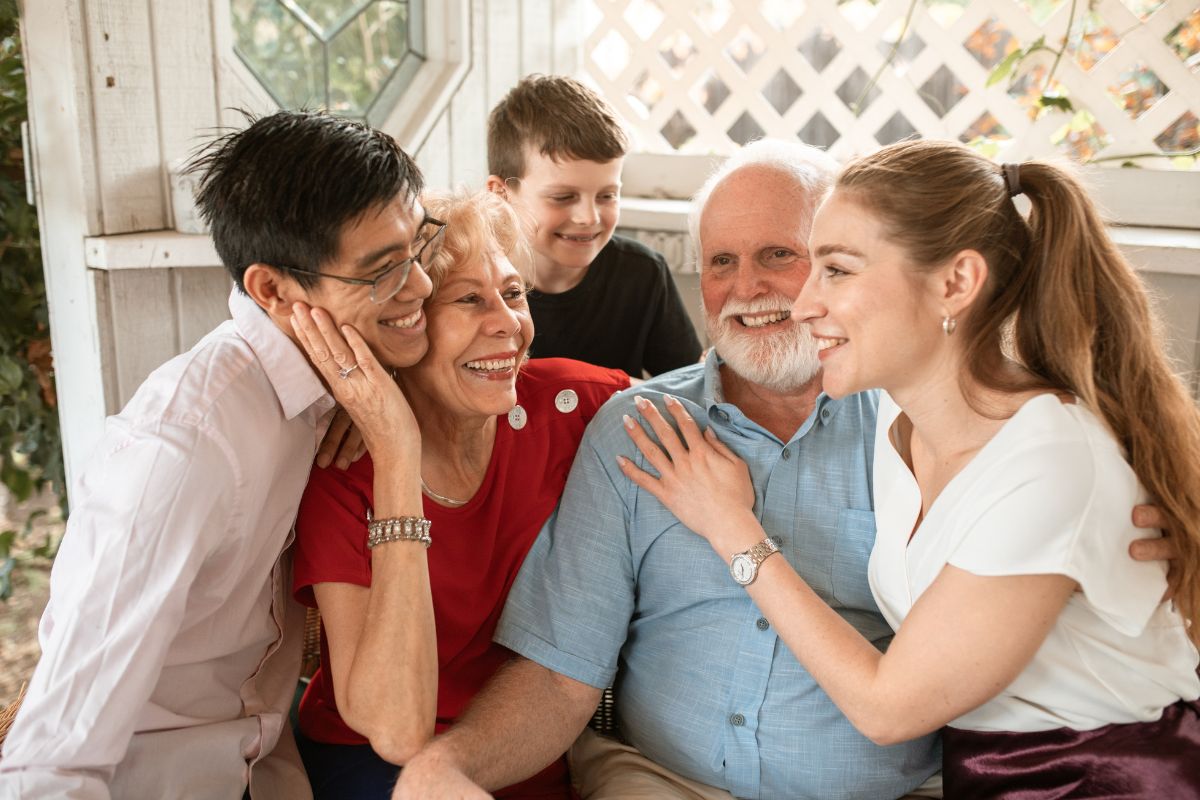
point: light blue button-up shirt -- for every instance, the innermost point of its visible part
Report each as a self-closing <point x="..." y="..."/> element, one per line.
<point x="616" y="588"/>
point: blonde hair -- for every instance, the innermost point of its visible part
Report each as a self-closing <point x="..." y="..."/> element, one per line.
<point x="1061" y="298"/>
<point x="477" y="224"/>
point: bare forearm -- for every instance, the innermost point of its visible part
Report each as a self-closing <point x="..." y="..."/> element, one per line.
<point x="525" y="717"/>
<point x="392" y="683"/>
<point x="391" y="688"/>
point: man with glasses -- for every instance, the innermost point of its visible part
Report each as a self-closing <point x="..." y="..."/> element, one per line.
<point x="170" y="642"/>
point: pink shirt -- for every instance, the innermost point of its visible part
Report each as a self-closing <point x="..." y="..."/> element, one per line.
<point x="170" y="644"/>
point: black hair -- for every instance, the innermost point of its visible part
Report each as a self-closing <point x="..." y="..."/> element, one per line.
<point x="280" y="191"/>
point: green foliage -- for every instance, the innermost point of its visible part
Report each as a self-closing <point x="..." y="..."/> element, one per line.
<point x="30" y="447"/>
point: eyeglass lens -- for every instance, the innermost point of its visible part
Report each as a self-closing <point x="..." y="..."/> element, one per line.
<point x="387" y="285"/>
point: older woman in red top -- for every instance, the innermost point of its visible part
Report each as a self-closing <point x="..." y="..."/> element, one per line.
<point x="407" y="627"/>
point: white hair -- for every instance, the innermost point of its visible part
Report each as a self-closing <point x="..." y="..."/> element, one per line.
<point x="812" y="169"/>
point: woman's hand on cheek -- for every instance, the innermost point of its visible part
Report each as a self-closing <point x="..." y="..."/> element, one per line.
<point x="701" y="481"/>
<point x="359" y="383"/>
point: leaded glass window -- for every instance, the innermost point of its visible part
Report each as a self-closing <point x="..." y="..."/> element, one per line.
<point x="352" y="57"/>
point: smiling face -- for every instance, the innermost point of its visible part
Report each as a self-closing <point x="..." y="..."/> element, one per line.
<point x="368" y="245"/>
<point x="875" y="318"/>
<point x="575" y="205"/>
<point x="479" y="331"/>
<point x="754" y="260"/>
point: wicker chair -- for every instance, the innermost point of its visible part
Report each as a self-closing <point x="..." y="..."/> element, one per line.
<point x="9" y="712"/>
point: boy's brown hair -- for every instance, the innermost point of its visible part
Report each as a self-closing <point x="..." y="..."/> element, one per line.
<point x="557" y="115"/>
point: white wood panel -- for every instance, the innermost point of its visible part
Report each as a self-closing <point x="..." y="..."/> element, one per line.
<point x="184" y="80"/>
<point x="141" y="307"/>
<point x="568" y="37"/>
<point x="202" y="302"/>
<point x="537" y="37"/>
<point x="106" y="346"/>
<point x="434" y="158"/>
<point x="59" y="106"/>
<point x="83" y="101"/>
<point x="469" y="110"/>
<point x="503" y="41"/>
<point x="124" y="114"/>
<point x="151" y="250"/>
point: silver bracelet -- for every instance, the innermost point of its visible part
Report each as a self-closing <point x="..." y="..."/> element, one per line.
<point x="397" y="529"/>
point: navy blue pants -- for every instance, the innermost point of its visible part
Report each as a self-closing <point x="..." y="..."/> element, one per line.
<point x="346" y="771"/>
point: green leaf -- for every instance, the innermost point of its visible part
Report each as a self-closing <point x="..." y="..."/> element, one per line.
<point x="1053" y="101"/>
<point x="11" y="375"/>
<point x="1001" y="70"/>
<point x="6" y="540"/>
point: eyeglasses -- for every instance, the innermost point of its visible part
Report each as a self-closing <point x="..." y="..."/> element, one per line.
<point x="387" y="283"/>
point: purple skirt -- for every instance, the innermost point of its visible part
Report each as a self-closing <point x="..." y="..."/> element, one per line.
<point x="1139" y="760"/>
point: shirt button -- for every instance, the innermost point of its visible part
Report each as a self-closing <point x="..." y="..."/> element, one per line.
<point x="517" y="418"/>
<point x="786" y="454"/>
<point x="566" y="401"/>
<point x="737" y="720"/>
<point x="825" y="414"/>
<point x="762" y="623"/>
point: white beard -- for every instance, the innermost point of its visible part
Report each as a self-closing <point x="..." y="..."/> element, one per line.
<point x="784" y="361"/>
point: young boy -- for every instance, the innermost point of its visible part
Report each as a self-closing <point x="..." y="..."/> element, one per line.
<point x="555" y="150"/>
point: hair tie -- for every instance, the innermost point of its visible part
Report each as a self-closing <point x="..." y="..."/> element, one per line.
<point x="1012" y="178"/>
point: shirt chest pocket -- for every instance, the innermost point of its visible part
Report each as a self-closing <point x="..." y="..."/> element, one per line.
<point x="851" y="552"/>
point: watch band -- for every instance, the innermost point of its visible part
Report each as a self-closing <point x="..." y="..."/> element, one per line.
<point x="743" y="567"/>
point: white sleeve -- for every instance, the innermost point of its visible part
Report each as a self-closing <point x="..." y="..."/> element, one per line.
<point x="1062" y="508"/>
<point x="149" y="513"/>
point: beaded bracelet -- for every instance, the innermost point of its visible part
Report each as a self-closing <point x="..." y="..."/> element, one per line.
<point x="397" y="529"/>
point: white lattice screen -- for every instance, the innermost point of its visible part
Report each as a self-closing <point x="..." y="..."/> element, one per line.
<point x="700" y="77"/>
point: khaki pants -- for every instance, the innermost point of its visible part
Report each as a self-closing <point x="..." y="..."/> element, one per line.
<point x="605" y="769"/>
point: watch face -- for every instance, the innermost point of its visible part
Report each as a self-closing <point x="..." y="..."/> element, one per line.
<point x="742" y="568"/>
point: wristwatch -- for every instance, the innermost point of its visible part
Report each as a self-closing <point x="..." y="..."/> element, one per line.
<point x="744" y="566"/>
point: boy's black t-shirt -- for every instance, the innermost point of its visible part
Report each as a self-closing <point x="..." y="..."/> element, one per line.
<point x="625" y="314"/>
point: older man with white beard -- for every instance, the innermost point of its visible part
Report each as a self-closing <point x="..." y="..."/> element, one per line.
<point x="616" y="590"/>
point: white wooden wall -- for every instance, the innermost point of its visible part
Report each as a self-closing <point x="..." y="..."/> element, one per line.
<point x="120" y="89"/>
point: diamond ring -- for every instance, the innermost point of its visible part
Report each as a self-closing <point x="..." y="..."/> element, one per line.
<point x="344" y="372"/>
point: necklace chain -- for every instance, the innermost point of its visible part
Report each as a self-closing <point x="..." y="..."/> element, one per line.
<point x="441" y="498"/>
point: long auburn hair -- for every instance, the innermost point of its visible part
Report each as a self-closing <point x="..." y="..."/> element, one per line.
<point x="1060" y="299"/>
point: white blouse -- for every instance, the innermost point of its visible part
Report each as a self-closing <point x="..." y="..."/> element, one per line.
<point x="1050" y="494"/>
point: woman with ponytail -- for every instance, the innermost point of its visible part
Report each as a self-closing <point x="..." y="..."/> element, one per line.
<point x="1029" y="403"/>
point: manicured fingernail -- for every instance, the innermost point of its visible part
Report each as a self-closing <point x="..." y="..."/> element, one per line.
<point x="622" y="460"/>
<point x="670" y="400"/>
<point x="640" y="402"/>
<point x="628" y="420"/>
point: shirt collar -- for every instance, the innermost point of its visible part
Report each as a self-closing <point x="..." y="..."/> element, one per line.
<point x="714" y="400"/>
<point x="296" y="384"/>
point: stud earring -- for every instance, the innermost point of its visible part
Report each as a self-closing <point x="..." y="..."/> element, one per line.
<point x="949" y="324"/>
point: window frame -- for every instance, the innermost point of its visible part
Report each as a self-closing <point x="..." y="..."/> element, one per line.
<point x="418" y="107"/>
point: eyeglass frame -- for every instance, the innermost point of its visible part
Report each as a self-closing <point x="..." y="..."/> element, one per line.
<point x="406" y="265"/>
